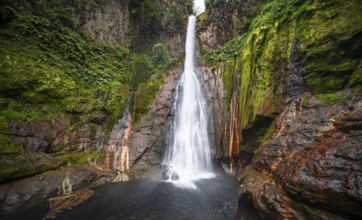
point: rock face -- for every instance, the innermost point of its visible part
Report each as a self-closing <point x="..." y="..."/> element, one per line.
<point x="224" y="20"/>
<point x="312" y="167"/>
<point x="315" y="159"/>
<point x="141" y="24"/>
<point x="217" y="111"/>
<point x="65" y="112"/>
<point x="159" y="21"/>
<point x="108" y="23"/>
<point x="292" y="92"/>
<point x="27" y="192"/>
<point x="15" y="166"/>
<point x="147" y="142"/>
<point x="65" y="78"/>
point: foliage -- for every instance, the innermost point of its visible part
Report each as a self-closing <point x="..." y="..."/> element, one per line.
<point x="48" y="69"/>
<point x="147" y="13"/>
<point x="229" y="51"/>
<point x="146" y="94"/>
<point x="320" y="35"/>
<point x="141" y="68"/>
<point x="161" y="57"/>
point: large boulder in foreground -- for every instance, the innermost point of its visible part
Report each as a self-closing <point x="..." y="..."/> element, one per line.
<point x="26" y="192"/>
<point x="14" y="166"/>
<point x="312" y="168"/>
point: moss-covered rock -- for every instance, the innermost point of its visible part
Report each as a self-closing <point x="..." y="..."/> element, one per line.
<point x="146" y="94"/>
<point x="297" y="67"/>
<point x="317" y="42"/>
<point x="14" y="166"/>
<point x="81" y="157"/>
<point x="52" y="73"/>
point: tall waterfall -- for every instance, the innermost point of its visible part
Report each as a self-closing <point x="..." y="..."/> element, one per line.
<point x="188" y="156"/>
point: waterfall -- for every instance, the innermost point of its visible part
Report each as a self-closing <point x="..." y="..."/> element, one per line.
<point x="188" y="156"/>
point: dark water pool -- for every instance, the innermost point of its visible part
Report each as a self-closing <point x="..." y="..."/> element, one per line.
<point x="215" y="198"/>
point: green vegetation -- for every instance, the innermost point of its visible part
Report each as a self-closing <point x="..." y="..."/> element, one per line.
<point x="331" y="98"/>
<point x="147" y="13"/>
<point x="266" y="133"/>
<point x="145" y="95"/>
<point x="14" y="166"/>
<point x="230" y="51"/>
<point x="81" y="157"/>
<point x="161" y="57"/>
<point x="49" y="69"/>
<point x="321" y="36"/>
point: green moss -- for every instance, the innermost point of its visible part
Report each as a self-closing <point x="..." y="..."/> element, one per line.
<point x="202" y="18"/>
<point x="331" y="98"/>
<point x="145" y="95"/>
<point x="93" y="131"/>
<point x="228" y="78"/>
<point x="8" y="146"/>
<point x="321" y="84"/>
<point x="322" y="36"/>
<point x="266" y="133"/>
<point x="48" y="69"/>
<point x="356" y="78"/>
<point x="228" y="52"/>
<point x="81" y="157"/>
<point x="305" y="101"/>
<point x="8" y="171"/>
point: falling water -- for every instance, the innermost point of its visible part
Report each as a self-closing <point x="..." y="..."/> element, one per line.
<point x="188" y="157"/>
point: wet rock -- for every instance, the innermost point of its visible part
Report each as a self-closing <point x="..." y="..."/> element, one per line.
<point x="224" y="20"/>
<point x="14" y="166"/>
<point x="167" y="174"/>
<point x="26" y="192"/>
<point x="213" y="84"/>
<point x="109" y="23"/>
<point x="174" y="176"/>
<point x="313" y="166"/>
<point x="149" y="135"/>
<point x="38" y="136"/>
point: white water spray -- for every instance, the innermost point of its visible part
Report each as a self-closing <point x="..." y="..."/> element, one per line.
<point x="199" y="6"/>
<point x="188" y="157"/>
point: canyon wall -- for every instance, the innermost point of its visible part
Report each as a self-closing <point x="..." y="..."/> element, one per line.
<point x="74" y="80"/>
<point x="68" y="70"/>
<point x="292" y="84"/>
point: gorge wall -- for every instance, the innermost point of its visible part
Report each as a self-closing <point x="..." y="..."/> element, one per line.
<point x="292" y="93"/>
<point x="282" y="80"/>
<point x="68" y="69"/>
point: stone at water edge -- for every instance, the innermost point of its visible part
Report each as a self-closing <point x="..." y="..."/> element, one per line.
<point x="57" y="204"/>
<point x="121" y="177"/>
<point x="66" y="184"/>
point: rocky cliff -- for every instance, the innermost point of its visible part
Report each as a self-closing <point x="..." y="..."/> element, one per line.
<point x="158" y="21"/>
<point x="292" y="91"/>
<point x="108" y="21"/>
<point x="68" y="69"/>
<point x="224" y="20"/>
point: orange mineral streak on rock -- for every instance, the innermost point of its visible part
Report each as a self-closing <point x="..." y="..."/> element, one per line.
<point x="274" y="166"/>
<point x="125" y="149"/>
<point x="106" y="162"/>
<point x="234" y="129"/>
<point x="254" y="192"/>
<point x="287" y="214"/>
<point x="290" y="155"/>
